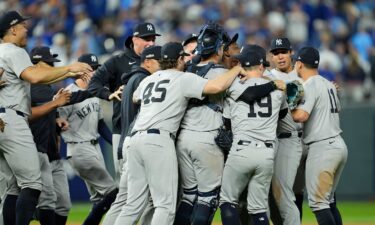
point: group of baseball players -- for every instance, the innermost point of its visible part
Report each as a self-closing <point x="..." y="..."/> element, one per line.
<point x="170" y="105"/>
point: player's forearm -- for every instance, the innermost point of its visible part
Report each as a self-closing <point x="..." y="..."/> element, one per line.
<point x="42" y="110"/>
<point x="45" y="75"/>
<point x="257" y="92"/>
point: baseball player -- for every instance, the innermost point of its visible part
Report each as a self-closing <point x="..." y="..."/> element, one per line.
<point x="201" y="162"/>
<point x="85" y="123"/>
<point x="289" y="149"/>
<point x="327" y="151"/>
<point x="129" y="110"/>
<point x="109" y="74"/>
<point x="152" y="162"/>
<point x="16" y="140"/>
<point x="251" y="158"/>
<point x="230" y="49"/>
<point x="43" y="128"/>
<point x="190" y="45"/>
<point x="54" y="201"/>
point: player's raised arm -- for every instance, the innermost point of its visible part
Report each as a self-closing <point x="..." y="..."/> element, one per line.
<point x="40" y="74"/>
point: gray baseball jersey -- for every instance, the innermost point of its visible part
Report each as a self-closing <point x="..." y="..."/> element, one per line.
<point x="82" y="147"/>
<point x="287" y="124"/>
<point x="152" y="161"/>
<point x="212" y="120"/>
<point x="254" y="130"/>
<point x="324" y="119"/>
<point x="287" y="160"/>
<point x="16" y="93"/>
<point x="327" y="150"/>
<point x="168" y="112"/>
<point x="16" y="142"/>
<point x="259" y="127"/>
<point x="82" y="118"/>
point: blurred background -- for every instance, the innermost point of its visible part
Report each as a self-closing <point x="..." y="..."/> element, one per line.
<point x="343" y="31"/>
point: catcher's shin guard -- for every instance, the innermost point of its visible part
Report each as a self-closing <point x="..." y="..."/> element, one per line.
<point x="229" y="214"/>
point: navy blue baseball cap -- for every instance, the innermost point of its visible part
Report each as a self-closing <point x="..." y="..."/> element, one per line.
<point x="190" y="38"/>
<point x="280" y="43"/>
<point x="172" y="50"/>
<point x="142" y="30"/>
<point x="249" y="57"/>
<point x="152" y="52"/>
<point x="90" y="59"/>
<point x="43" y="54"/>
<point x="9" y="19"/>
<point x="261" y="51"/>
<point x="308" y="55"/>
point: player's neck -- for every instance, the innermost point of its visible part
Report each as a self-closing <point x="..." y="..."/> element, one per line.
<point x="287" y="70"/>
<point x="254" y="74"/>
<point x="214" y="58"/>
<point x="307" y="74"/>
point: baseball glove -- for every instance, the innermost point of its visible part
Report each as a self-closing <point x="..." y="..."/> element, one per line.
<point x="224" y="139"/>
<point x="294" y="92"/>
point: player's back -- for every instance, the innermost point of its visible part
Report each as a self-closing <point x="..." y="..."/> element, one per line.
<point x="164" y="97"/>
<point x="204" y="117"/>
<point x="324" y="119"/>
<point x="256" y="120"/>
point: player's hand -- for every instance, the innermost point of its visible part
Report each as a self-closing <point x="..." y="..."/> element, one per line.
<point x="62" y="97"/>
<point x="117" y="94"/>
<point x="2" y="84"/>
<point x="280" y="85"/>
<point x="79" y="69"/>
<point x="337" y="86"/>
<point x="62" y="123"/>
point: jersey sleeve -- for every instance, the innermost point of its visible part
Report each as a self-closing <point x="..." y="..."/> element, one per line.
<point x="237" y="88"/>
<point x="192" y="85"/>
<point x="137" y="93"/>
<point x="18" y="60"/>
<point x="309" y="99"/>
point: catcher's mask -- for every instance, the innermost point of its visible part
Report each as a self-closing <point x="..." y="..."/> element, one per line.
<point x="210" y="39"/>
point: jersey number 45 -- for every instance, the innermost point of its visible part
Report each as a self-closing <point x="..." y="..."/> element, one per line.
<point x="152" y="90"/>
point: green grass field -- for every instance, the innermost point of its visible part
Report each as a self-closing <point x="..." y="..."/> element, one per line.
<point x="353" y="213"/>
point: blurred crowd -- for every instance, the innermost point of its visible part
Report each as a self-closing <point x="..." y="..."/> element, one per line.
<point x="344" y="31"/>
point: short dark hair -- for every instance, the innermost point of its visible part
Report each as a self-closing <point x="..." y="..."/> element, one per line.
<point x="168" y="63"/>
<point x="309" y="66"/>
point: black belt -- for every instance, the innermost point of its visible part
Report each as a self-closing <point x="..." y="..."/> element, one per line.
<point x="267" y="144"/>
<point x="2" y="110"/>
<point x="93" y="142"/>
<point x="288" y="135"/>
<point x="152" y="131"/>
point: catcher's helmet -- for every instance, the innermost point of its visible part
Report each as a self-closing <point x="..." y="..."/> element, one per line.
<point x="210" y="39"/>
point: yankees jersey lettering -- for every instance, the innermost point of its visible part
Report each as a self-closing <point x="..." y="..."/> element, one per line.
<point x="16" y="92"/>
<point x="259" y="119"/>
<point x="83" y="118"/>
<point x="322" y="103"/>
<point x="163" y="102"/>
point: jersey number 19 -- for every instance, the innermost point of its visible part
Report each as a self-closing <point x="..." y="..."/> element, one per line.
<point x="267" y="104"/>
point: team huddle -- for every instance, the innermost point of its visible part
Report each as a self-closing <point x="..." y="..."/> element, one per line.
<point x="198" y="125"/>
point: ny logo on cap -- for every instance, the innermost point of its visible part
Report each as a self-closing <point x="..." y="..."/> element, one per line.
<point x="149" y="27"/>
<point x="279" y="41"/>
<point x="316" y="62"/>
<point x="13" y="22"/>
<point x="93" y="58"/>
